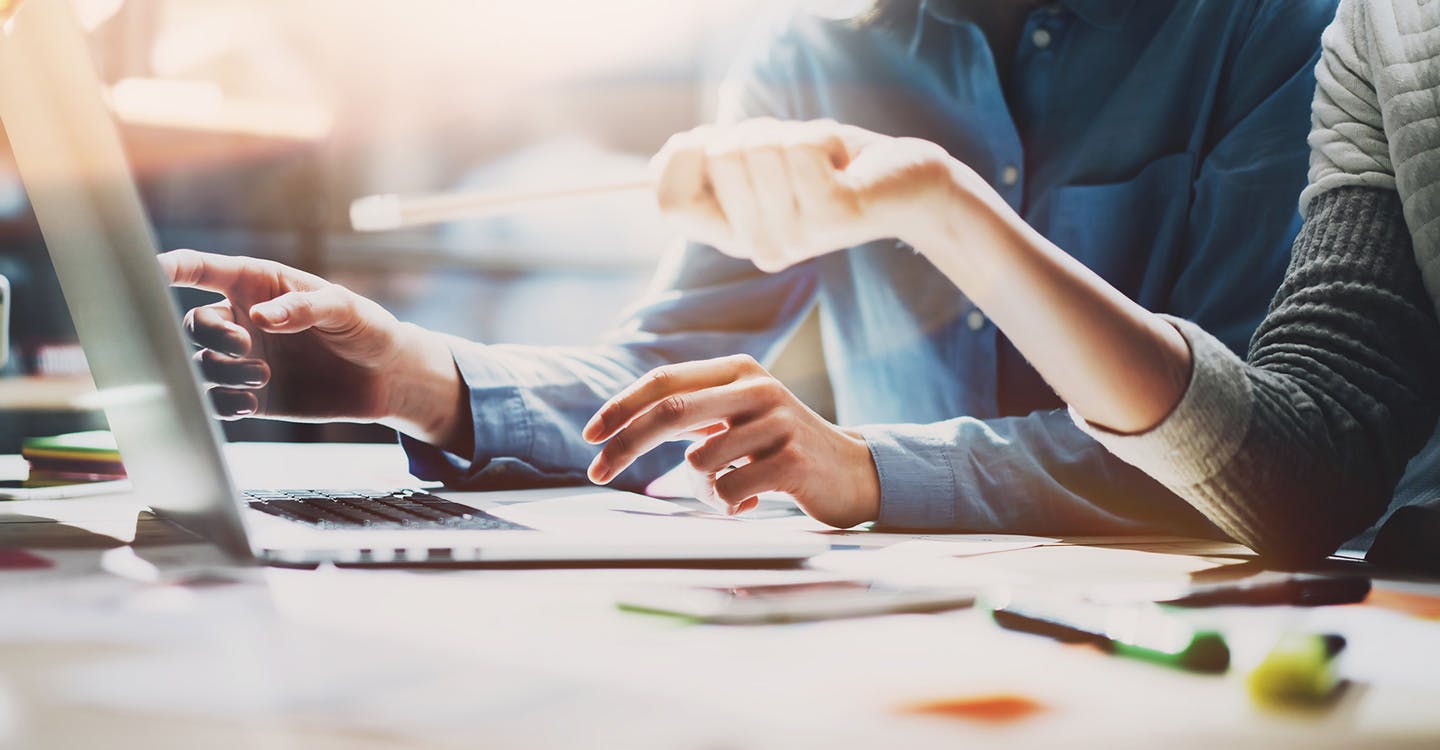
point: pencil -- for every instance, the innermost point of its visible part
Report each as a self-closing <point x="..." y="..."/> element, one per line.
<point x="379" y="213"/>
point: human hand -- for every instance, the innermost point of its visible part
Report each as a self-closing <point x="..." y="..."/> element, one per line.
<point x="778" y="193"/>
<point x="746" y="419"/>
<point x="289" y="344"/>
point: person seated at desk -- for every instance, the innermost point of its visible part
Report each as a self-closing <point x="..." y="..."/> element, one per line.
<point x="1160" y="141"/>
<point x="1292" y="454"/>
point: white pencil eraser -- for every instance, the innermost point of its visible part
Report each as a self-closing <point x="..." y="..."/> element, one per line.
<point x="375" y="213"/>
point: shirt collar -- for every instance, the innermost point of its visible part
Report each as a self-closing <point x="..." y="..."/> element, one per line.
<point x="1106" y="14"/>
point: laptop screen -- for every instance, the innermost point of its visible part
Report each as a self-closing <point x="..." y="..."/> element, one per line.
<point x="69" y="156"/>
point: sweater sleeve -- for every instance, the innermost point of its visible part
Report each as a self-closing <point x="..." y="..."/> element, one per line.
<point x="1348" y="144"/>
<point x="1301" y="449"/>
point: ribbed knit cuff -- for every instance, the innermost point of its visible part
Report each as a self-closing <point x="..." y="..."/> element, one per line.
<point x="1201" y="435"/>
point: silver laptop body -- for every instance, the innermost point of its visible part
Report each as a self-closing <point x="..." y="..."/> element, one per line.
<point x="69" y="154"/>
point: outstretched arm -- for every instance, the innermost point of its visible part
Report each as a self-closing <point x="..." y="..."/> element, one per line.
<point x="778" y="193"/>
<point x="287" y="344"/>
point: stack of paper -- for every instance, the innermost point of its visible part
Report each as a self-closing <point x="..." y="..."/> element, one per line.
<point x="76" y="457"/>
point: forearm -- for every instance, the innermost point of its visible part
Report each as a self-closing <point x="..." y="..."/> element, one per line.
<point x="1036" y="474"/>
<point x="1301" y="449"/>
<point x="526" y="405"/>
<point x="1117" y="364"/>
<point x="517" y="413"/>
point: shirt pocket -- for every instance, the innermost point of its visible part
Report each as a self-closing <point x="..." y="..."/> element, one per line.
<point x="1131" y="232"/>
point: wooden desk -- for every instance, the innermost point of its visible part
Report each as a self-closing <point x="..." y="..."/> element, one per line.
<point x="542" y="658"/>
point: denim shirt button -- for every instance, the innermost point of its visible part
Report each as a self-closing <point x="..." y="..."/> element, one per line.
<point x="975" y="320"/>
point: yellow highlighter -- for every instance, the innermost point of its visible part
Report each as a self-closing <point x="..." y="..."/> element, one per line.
<point x="1298" y="672"/>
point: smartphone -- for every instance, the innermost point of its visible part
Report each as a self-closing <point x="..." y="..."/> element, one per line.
<point x="4" y="321"/>
<point x="15" y="489"/>
<point x="793" y="602"/>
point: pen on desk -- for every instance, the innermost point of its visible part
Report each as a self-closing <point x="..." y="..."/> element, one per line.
<point x="1138" y="631"/>
<point x="379" y="213"/>
<point x="1304" y="591"/>
<point x="1299" y="671"/>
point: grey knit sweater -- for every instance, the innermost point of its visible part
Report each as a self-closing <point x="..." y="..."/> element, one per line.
<point x="1301" y="449"/>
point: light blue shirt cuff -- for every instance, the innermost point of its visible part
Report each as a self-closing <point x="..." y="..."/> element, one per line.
<point x="917" y="480"/>
<point x="501" y="423"/>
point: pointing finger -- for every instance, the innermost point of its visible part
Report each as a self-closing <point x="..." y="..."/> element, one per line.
<point x="208" y="271"/>
<point x="670" y="419"/>
<point x="659" y="384"/>
<point x="214" y="327"/>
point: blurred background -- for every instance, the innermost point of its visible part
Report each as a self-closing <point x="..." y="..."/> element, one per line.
<point x="253" y="124"/>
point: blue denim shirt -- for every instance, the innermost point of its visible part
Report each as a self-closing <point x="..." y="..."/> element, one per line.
<point x="1162" y="143"/>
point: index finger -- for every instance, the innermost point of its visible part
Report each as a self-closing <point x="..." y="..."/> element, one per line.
<point x="208" y="271"/>
<point x="656" y="386"/>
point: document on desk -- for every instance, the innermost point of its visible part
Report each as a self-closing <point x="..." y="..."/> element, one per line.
<point x="229" y="654"/>
<point x="966" y="545"/>
<point x="590" y="512"/>
<point x="937" y="544"/>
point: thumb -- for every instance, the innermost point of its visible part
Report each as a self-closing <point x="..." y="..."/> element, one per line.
<point x="330" y="308"/>
<point x="846" y="143"/>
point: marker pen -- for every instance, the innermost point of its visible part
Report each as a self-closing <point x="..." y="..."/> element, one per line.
<point x="1139" y="631"/>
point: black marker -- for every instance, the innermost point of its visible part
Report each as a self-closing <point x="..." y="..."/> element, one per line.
<point x="1301" y="591"/>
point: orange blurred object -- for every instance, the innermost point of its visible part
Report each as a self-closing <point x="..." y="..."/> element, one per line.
<point x="999" y="708"/>
<point x="1411" y="603"/>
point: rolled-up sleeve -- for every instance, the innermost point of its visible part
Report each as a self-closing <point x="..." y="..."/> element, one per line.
<point x="1300" y="450"/>
<point x="1198" y="438"/>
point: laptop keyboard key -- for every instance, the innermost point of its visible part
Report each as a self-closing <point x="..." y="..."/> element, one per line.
<point x="300" y="510"/>
<point x="374" y="509"/>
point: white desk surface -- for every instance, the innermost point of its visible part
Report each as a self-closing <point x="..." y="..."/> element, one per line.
<point x="91" y="656"/>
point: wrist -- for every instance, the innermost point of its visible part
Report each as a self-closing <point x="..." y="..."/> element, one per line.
<point x="970" y="234"/>
<point x="425" y="395"/>
<point x="949" y="202"/>
<point x="865" y="479"/>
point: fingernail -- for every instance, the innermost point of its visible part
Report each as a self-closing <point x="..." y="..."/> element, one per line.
<point x="599" y="472"/>
<point x="254" y="375"/>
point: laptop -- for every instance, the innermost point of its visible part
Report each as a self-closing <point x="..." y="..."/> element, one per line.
<point x="69" y="155"/>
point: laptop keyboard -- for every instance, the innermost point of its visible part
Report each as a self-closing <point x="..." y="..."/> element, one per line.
<point x="397" y="509"/>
